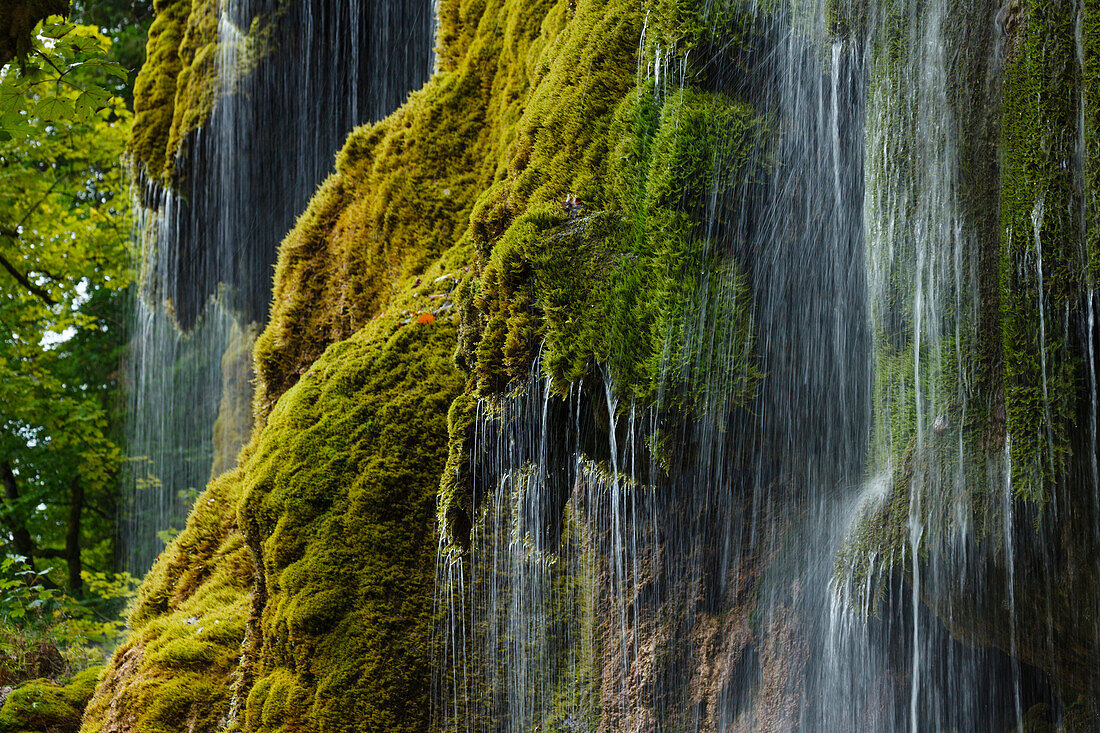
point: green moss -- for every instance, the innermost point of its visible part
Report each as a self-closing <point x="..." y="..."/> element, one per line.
<point x="197" y="81"/>
<point x="41" y="705"/>
<point x="342" y="499"/>
<point x="449" y="207"/>
<point x="176" y="670"/>
<point x="155" y="87"/>
<point x="178" y="86"/>
<point x="1042" y="275"/>
<point x="534" y="286"/>
<point x="1090" y="85"/>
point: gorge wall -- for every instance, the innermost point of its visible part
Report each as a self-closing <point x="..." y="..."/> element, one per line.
<point x="661" y="366"/>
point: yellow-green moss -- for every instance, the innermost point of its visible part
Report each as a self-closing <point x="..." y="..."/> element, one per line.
<point x="341" y="497"/>
<point x="155" y="87"/>
<point x="177" y="87"/>
<point x="176" y="670"/>
<point x="41" y="706"/>
<point x="450" y="206"/>
<point x="197" y="81"/>
<point x="638" y="235"/>
<point x="401" y="195"/>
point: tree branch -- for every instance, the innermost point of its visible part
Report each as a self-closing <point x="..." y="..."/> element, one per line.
<point x="22" y="279"/>
<point x="40" y="201"/>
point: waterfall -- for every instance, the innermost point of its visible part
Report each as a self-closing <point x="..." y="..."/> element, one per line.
<point x="851" y="550"/>
<point x="292" y="79"/>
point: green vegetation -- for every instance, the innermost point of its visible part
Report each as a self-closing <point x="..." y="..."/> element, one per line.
<point x="450" y="207"/>
<point x="64" y="250"/>
<point x="175" y="670"/>
<point x="1043" y="271"/>
<point x="341" y="505"/>
<point x="457" y="242"/>
<point x="65" y="271"/>
<point x="41" y="705"/>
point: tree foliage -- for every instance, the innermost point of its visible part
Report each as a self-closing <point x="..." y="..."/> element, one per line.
<point x="65" y="269"/>
<point x="64" y="78"/>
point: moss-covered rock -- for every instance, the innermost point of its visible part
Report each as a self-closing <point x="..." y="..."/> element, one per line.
<point x="176" y="670"/>
<point x="155" y="87"/>
<point x="41" y="706"/>
<point x="982" y="420"/>
<point x="178" y="85"/>
<point x="1044" y="268"/>
<point x="341" y="501"/>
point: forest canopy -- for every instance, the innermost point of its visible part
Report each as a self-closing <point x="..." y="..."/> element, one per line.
<point x="66" y="273"/>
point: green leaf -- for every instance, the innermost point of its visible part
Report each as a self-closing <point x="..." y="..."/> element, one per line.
<point x="57" y="30"/>
<point x="11" y="98"/>
<point x="54" y="108"/>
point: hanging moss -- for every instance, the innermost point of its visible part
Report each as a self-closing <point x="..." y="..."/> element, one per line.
<point x="177" y="87"/>
<point x="197" y="81"/>
<point x="41" y="705"/>
<point x="155" y="87"/>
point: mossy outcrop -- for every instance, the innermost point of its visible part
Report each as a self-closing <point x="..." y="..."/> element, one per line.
<point x="457" y="195"/>
<point x="176" y="669"/>
<point x="41" y="706"/>
<point x="453" y="251"/>
<point x="995" y="472"/>
<point x="341" y="501"/>
<point x="1047" y="261"/>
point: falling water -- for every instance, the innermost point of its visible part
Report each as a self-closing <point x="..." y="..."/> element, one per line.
<point x="292" y="80"/>
<point x="846" y="552"/>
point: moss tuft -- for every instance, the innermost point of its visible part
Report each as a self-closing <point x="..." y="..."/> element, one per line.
<point x="41" y="705"/>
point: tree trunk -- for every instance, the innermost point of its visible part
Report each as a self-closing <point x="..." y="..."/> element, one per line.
<point x="21" y="538"/>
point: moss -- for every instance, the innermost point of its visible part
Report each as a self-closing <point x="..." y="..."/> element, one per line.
<point x="533" y="288"/>
<point x="155" y="87"/>
<point x="452" y="206"/>
<point x="1042" y="276"/>
<point x="178" y="86"/>
<point x="176" y="670"/>
<point x="41" y="705"/>
<point x="341" y="498"/>
<point x="846" y="18"/>
<point x="1090" y="86"/>
<point x="197" y="80"/>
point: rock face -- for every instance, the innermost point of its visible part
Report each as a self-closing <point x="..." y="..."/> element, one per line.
<point x="602" y="191"/>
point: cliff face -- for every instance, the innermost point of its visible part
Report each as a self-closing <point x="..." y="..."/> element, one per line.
<point x="568" y="192"/>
